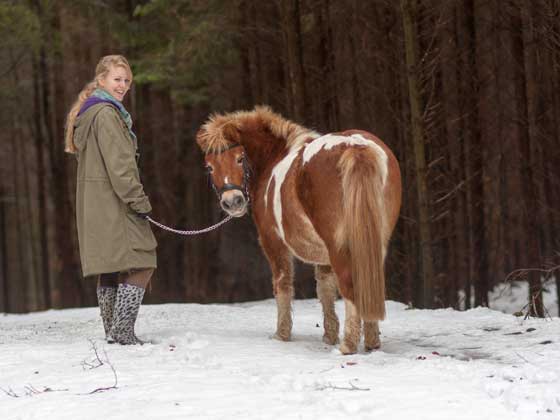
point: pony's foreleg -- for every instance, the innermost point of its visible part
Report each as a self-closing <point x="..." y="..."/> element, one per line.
<point x="371" y="335"/>
<point x="352" y="329"/>
<point x="326" y="292"/>
<point x="281" y="265"/>
<point x="283" y="292"/>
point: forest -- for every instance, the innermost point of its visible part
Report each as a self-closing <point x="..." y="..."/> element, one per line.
<point x="465" y="92"/>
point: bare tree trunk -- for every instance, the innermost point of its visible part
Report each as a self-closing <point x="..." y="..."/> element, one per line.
<point x="294" y="57"/>
<point x="530" y="188"/>
<point x="509" y="86"/>
<point x="488" y="112"/>
<point x="469" y="137"/>
<point x="457" y="241"/>
<point x="26" y="280"/>
<point x="554" y="165"/>
<point x="31" y="251"/>
<point x="184" y="204"/>
<point x="261" y="63"/>
<point x="42" y="183"/>
<point x="354" y="38"/>
<point x="19" y="276"/>
<point x="4" y="273"/>
<point x="409" y="8"/>
<point x="67" y="290"/>
<point x="246" y="46"/>
<point x="329" y="94"/>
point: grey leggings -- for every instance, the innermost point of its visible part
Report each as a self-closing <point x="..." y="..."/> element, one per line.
<point x="136" y="277"/>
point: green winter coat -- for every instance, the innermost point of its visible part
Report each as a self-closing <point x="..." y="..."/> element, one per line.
<point x="109" y="194"/>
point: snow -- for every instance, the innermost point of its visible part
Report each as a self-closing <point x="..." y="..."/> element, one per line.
<point x="219" y="362"/>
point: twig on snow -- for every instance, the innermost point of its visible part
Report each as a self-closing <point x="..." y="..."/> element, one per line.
<point x="351" y="388"/>
<point x="521" y="357"/>
<point x="10" y="392"/>
<point x="114" y="386"/>
<point x="97" y="362"/>
<point x="30" y="391"/>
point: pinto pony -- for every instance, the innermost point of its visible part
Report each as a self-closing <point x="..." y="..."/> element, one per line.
<point x="330" y="200"/>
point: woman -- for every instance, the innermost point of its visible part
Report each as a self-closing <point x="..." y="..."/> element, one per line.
<point x="117" y="246"/>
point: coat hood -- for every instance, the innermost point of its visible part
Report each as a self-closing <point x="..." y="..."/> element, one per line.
<point x="84" y="124"/>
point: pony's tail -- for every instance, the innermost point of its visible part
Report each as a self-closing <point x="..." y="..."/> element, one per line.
<point x="362" y="231"/>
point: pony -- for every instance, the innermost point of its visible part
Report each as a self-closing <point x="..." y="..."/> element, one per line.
<point x="329" y="200"/>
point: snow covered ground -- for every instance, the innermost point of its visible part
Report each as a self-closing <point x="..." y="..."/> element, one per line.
<point x="219" y="362"/>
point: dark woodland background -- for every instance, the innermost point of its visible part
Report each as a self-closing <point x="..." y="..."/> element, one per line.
<point x="465" y="92"/>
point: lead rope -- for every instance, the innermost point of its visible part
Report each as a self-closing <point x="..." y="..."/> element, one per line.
<point x="189" y="232"/>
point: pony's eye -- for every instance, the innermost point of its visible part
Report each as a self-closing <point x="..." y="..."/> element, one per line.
<point x="209" y="169"/>
<point x="240" y="160"/>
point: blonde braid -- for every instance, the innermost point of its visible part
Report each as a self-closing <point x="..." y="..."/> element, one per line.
<point x="86" y="92"/>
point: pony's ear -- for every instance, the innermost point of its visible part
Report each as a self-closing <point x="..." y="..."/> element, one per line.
<point x="232" y="131"/>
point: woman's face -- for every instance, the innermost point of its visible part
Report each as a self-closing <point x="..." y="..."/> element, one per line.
<point x="116" y="82"/>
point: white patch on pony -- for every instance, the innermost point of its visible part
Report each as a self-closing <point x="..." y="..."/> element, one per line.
<point x="226" y="180"/>
<point x="266" y="192"/>
<point x="301" y="138"/>
<point x="279" y="174"/>
<point x="295" y="145"/>
<point x="330" y="140"/>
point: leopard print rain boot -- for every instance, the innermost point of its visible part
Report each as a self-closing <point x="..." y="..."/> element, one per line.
<point x="128" y="302"/>
<point x="106" y="297"/>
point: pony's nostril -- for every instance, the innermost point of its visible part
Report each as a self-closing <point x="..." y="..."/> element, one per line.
<point x="238" y="201"/>
<point x="226" y="204"/>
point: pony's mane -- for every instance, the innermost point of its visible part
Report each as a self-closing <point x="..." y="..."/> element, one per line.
<point x="222" y="131"/>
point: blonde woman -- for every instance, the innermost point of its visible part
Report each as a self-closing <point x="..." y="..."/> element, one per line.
<point x="117" y="246"/>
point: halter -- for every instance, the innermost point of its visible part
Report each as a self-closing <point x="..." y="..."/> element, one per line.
<point x="229" y="187"/>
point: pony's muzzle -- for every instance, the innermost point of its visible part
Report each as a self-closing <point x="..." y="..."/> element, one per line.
<point x="233" y="202"/>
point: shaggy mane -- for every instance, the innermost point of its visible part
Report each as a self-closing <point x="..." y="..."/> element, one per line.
<point x="222" y="131"/>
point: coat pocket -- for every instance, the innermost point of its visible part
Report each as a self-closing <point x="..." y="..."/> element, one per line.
<point x="140" y="233"/>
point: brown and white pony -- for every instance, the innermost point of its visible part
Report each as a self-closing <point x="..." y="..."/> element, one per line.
<point x="330" y="200"/>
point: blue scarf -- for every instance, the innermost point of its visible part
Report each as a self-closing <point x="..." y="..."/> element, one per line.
<point x="99" y="96"/>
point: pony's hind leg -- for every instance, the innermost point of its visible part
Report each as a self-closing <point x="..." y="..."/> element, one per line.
<point x="371" y="335"/>
<point x="352" y="329"/>
<point x="326" y="292"/>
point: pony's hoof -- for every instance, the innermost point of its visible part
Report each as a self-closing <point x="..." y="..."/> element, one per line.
<point x="348" y="349"/>
<point x="372" y="343"/>
<point x="279" y="337"/>
<point x="372" y="347"/>
<point x="330" y="340"/>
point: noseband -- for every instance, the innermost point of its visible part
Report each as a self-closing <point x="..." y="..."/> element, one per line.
<point x="229" y="187"/>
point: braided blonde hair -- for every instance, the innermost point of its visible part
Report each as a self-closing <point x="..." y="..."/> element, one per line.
<point x="101" y="71"/>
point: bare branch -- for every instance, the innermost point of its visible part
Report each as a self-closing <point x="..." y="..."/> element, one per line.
<point x="522" y="272"/>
